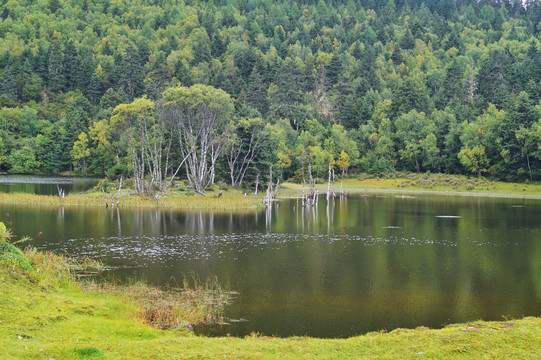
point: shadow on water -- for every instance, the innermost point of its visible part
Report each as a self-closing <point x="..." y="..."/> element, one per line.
<point x="338" y="268"/>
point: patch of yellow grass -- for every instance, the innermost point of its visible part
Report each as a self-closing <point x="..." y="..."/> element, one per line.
<point x="440" y="183"/>
<point x="231" y="199"/>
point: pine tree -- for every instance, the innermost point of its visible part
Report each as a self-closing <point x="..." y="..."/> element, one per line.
<point x="40" y="64"/>
<point x="93" y="91"/>
<point x="54" y="5"/>
<point x="85" y="69"/>
<point x="7" y="82"/>
<point x="257" y="91"/>
<point x="70" y="65"/>
<point x="334" y="69"/>
<point x="132" y="76"/>
<point x="285" y="97"/>
<point x="57" y="82"/>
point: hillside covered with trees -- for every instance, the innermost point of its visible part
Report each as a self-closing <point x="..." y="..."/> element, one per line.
<point x="222" y="90"/>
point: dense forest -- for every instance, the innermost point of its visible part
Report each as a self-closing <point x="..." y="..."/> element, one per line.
<point x="223" y="90"/>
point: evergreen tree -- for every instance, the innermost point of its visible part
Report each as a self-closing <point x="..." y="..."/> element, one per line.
<point x="40" y="64"/>
<point x="70" y="65"/>
<point x="257" y="92"/>
<point x="54" y="5"/>
<point x="93" y="91"/>
<point x="285" y="96"/>
<point x="85" y="69"/>
<point x="7" y="82"/>
<point x="57" y="82"/>
<point x="218" y="47"/>
<point x="493" y="77"/>
<point x="334" y="69"/>
<point x="132" y="75"/>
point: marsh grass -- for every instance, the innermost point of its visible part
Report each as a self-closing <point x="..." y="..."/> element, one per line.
<point x="199" y="302"/>
<point x="170" y="308"/>
<point x="229" y="200"/>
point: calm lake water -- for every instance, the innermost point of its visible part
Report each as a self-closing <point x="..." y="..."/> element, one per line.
<point x="45" y="185"/>
<point x="354" y="266"/>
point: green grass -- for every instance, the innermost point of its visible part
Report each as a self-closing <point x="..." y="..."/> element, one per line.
<point x="46" y="313"/>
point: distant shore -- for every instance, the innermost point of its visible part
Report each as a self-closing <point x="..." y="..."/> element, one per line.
<point x="426" y="184"/>
<point x="235" y="199"/>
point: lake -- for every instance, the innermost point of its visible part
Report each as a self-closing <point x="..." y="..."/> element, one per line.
<point x="340" y="269"/>
<point x="45" y="185"/>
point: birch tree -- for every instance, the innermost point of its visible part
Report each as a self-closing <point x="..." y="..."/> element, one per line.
<point x="149" y="138"/>
<point x="245" y="139"/>
<point x="199" y="115"/>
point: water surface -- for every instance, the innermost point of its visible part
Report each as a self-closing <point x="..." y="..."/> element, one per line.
<point x="344" y="268"/>
<point x="45" y="185"/>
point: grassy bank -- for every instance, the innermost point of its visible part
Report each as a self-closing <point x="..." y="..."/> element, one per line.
<point x="427" y="183"/>
<point x="45" y="312"/>
<point x="228" y="200"/>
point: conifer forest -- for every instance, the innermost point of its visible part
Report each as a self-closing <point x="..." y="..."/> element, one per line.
<point x="223" y="90"/>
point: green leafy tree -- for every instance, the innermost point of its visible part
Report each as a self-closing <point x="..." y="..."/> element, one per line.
<point x="415" y="132"/>
<point x="23" y="161"/>
<point x="343" y="162"/>
<point x="81" y="151"/>
<point x="474" y="159"/>
<point x="199" y="113"/>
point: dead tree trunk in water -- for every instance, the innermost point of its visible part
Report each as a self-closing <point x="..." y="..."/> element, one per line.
<point x="333" y="193"/>
<point x="60" y="192"/>
<point x="329" y="184"/>
<point x="276" y="187"/>
<point x="119" y="188"/>
<point x="105" y="197"/>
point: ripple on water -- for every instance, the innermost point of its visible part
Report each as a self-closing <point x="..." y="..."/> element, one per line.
<point x="151" y="249"/>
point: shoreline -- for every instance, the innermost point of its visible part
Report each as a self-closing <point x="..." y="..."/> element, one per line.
<point x="383" y="191"/>
<point x="232" y="202"/>
<point x="357" y="187"/>
<point x="229" y="199"/>
<point x="63" y="320"/>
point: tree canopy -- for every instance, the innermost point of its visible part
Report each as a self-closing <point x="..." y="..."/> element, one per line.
<point x="368" y="86"/>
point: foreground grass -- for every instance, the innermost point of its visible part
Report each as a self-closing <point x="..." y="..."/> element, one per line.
<point x="428" y="183"/>
<point x="47" y="314"/>
<point x="228" y="200"/>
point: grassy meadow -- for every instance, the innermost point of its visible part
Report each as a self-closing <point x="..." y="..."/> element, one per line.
<point x="406" y="183"/>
